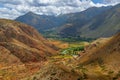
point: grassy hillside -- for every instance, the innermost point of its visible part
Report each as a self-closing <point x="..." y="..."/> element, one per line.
<point x="22" y="50"/>
<point x="100" y="60"/>
<point x="22" y="40"/>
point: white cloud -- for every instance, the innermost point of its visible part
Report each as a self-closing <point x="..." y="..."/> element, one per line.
<point x="14" y="8"/>
<point x="113" y="2"/>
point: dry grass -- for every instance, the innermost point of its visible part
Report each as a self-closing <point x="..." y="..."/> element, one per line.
<point x="59" y="44"/>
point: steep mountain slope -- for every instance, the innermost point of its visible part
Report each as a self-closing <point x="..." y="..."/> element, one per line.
<point x="77" y="20"/>
<point x="109" y="51"/>
<point x="102" y="61"/>
<point x="22" y="43"/>
<point x="103" y="25"/>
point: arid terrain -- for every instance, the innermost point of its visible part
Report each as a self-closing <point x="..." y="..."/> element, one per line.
<point x="26" y="55"/>
<point x="83" y="45"/>
<point x="22" y="50"/>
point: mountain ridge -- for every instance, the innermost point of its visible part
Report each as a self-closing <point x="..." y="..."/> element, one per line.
<point x="24" y="42"/>
<point x="104" y="25"/>
<point x="56" y="25"/>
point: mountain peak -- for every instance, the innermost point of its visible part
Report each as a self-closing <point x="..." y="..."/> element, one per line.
<point x="30" y="13"/>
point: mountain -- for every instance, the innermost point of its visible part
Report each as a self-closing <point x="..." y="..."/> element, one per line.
<point x="89" y="24"/>
<point x="77" y="20"/>
<point x="52" y="25"/>
<point x="41" y="22"/>
<point x="20" y="43"/>
<point x="105" y="24"/>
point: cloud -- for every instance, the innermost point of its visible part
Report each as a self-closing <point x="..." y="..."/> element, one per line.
<point x="113" y="2"/>
<point x="14" y="8"/>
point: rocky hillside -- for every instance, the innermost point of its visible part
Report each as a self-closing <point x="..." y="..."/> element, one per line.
<point x="106" y="49"/>
<point x="22" y="43"/>
<point x="100" y="60"/>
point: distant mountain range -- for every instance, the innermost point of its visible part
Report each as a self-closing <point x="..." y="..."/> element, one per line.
<point x="91" y="23"/>
<point x="42" y="22"/>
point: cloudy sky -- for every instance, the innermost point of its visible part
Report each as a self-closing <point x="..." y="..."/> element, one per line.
<point x="13" y="8"/>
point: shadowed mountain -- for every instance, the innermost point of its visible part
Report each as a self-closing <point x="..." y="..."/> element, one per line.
<point x="103" y="25"/>
<point x="75" y="21"/>
<point x="22" y="43"/>
<point x="41" y="22"/>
